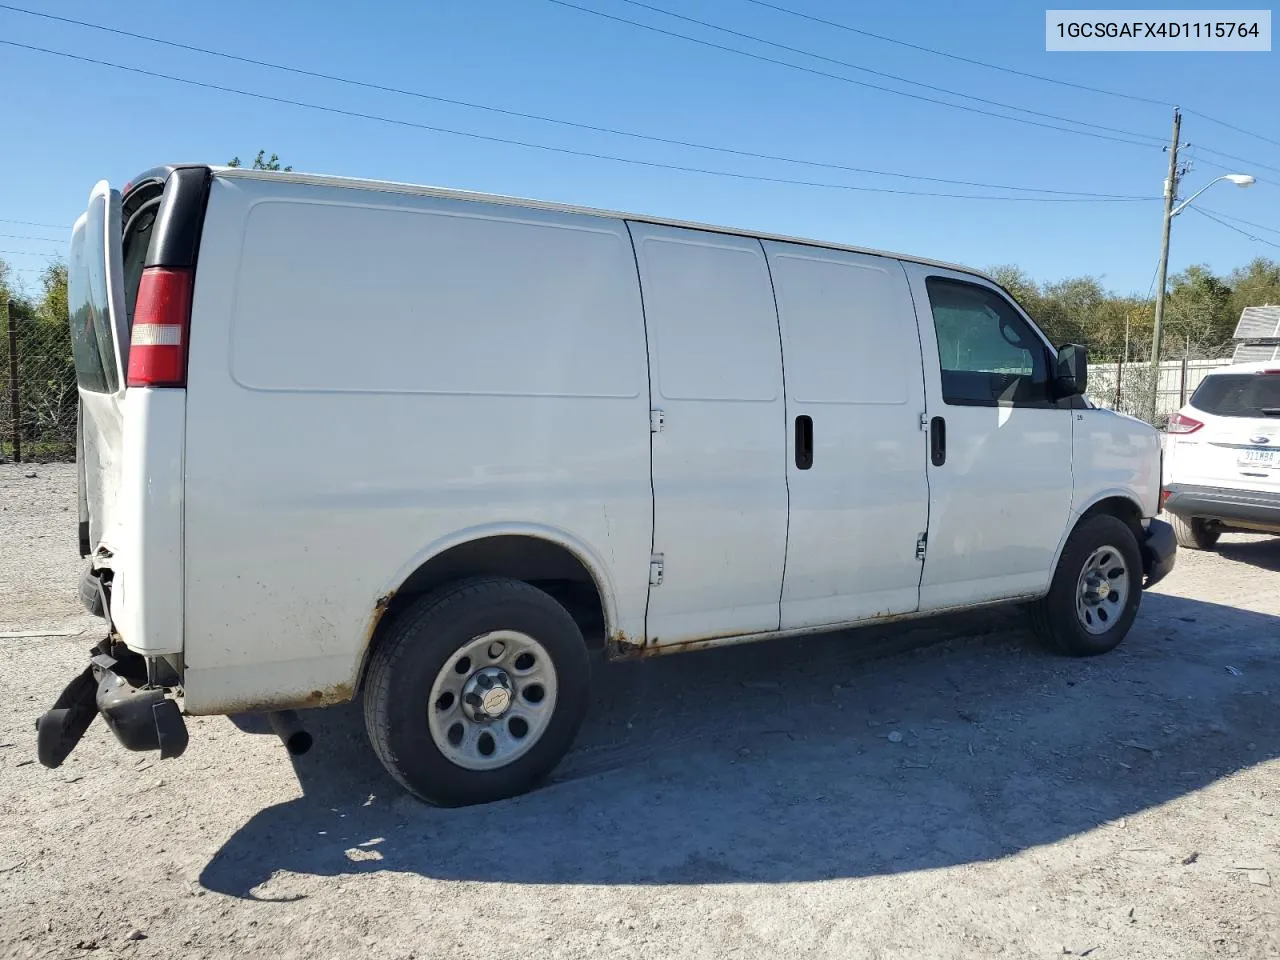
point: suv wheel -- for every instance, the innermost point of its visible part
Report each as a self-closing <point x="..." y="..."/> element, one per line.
<point x="1194" y="533"/>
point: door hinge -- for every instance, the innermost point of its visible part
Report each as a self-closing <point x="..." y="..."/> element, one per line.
<point x="655" y="570"/>
<point x="657" y="420"/>
<point x="924" y="421"/>
<point x="922" y="545"/>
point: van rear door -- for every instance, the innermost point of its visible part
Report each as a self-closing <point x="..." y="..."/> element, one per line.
<point x="99" y="339"/>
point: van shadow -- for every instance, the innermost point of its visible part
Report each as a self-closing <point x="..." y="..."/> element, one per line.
<point x="1263" y="553"/>
<point x="853" y="754"/>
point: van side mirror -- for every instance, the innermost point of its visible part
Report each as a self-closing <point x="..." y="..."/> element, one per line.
<point x="1071" y="377"/>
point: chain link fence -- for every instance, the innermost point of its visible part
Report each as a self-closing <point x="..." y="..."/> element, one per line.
<point x="1126" y="387"/>
<point x="38" y="399"/>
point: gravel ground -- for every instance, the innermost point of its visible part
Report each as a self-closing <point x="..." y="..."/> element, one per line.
<point x="941" y="790"/>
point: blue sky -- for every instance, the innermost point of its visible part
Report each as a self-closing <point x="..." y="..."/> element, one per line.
<point x="68" y="124"/>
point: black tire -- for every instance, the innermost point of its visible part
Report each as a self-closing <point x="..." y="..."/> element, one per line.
<point x="90" y="597"/>
<point x="1054" y="617"/>
<point x="1194" y="533"/>
<point x="419" y="644"/>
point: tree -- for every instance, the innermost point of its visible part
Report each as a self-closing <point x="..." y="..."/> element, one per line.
<point x="1015" y="280"/>
<point x="1255" y="285"/>
<point x="259" y="163"/>
<point x="50" y="395"/>
<point x="1198" y="314"/>
<point x="46" y="371"/>
<point x="53" y="303"/>
<point x="1074" y="310"/>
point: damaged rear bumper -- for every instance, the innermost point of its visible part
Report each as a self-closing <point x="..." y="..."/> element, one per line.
<point x="142" y="716"/>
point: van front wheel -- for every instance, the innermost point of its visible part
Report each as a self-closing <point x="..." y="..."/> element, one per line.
<point x="477" y="692"/>
<point x="1096" y="589"/>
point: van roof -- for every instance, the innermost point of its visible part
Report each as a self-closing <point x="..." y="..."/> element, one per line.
<point x="388" y="186"/>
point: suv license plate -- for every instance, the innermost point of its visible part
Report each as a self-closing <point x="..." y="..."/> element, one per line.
<point x="1258" y="458"/>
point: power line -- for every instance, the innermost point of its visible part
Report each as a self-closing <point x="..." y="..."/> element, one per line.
<point x="956" y="56"/>
<point x="1232" y="126"/>
<point x="1227" y="216"/>
<point x="877" y="73"/>
<point x="546" y="147"/>
<point x="1151" y="287"/>
<point x="32" y="223"/>
<point x="19" y="236"/>
<point x="1245" y="233"/>
<point x="1217" y="165"/>
<point x="1196" y="158"/>
<point x="30" y="253"/>
<point x="1232" y="156"/>
<point x="1003" y="69"/>
<point x="676" y="142"/>
<point x="859" y="83"/>
<point x="669" y="141"/>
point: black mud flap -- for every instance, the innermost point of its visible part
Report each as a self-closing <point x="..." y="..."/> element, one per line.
<point x="141" y="718"/>
<point x="59" y="730"/>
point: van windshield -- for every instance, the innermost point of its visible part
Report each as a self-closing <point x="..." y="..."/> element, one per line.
<point x="1239" y="395"/>
<point x="88" y="305"/>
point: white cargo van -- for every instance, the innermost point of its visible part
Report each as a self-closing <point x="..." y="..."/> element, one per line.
<point x="345" y="437"/>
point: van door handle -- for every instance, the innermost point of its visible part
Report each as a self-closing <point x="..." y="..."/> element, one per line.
<point x="804" y="442"/>
<point x="938" y="441"/>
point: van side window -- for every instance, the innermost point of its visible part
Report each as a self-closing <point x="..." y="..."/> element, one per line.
<point x="989" y="355"/>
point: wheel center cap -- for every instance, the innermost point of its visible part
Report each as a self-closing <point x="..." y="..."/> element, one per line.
<point x="1096" y="589"/>
<point x="488" y="694"/>
<point x="496" y="701"/>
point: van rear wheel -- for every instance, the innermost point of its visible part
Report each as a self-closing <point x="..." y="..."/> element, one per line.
<point x="1194" y="533"/>
<point x="1095" y="592"/>
<point x="477" y="691"/>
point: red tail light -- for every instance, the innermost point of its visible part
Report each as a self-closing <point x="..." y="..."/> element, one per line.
<point x="161" y="324"/>
<point x="1181" y="423"/>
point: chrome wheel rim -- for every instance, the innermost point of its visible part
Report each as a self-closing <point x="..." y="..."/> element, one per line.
<point x="1102" y="590"/>
<point x="492" y="700"/>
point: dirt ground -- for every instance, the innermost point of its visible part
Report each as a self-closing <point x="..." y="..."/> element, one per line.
<point x="934" y="791"/>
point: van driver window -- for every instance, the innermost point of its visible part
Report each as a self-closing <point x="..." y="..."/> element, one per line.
<point x="988" y="353"/>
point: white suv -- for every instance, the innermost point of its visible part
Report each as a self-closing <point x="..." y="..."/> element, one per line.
<point x="1222" y="456"/>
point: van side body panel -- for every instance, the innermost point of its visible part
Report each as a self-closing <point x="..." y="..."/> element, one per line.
<point x="373" y="374"/>
<point x="1114" y="456"/>
<point x="719" y="478"/>
<point x="852" y="357"/>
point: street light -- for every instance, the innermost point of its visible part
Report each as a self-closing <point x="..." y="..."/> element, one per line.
<point x="1239" y="179"/>
<point x="1170" y="211"/>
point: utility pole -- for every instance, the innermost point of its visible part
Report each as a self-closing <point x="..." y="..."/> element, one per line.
<point x="1170" y="196"/>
